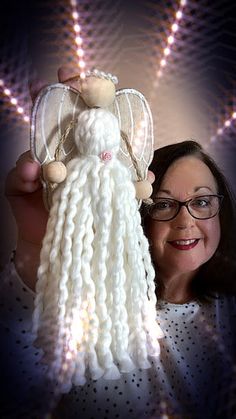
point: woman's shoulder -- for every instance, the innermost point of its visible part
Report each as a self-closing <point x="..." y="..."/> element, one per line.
<point x="219" y="311"/>
<point x="225" y="303"/>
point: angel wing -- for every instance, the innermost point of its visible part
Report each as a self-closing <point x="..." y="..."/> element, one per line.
<point x="58" y="104"/>
<point x="135" y="120"/>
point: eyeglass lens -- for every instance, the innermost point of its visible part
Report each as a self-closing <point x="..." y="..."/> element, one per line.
<point x="201" y="207"/>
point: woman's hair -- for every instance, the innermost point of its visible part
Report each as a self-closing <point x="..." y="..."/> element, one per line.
<point x="218" y="274"/>
<point x="95" y="295"/>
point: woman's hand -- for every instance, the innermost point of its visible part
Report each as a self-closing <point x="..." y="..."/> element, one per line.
<point x="24" y="193"/>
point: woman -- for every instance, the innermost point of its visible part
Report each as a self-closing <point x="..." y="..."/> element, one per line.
<point x="193" y="205"/>
<point x="192" y="244"/>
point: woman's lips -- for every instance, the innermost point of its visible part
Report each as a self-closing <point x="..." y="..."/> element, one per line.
<point x="184" y="244"/>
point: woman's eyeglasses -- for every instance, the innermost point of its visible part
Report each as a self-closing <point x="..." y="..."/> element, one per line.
<point x="200" y="207"/>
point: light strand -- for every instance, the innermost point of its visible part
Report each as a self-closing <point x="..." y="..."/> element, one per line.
<point x="14" y="102"/>
<point x="78" y="39"/>
<point x="170" y="41"/>
<point x="227" y="124"/>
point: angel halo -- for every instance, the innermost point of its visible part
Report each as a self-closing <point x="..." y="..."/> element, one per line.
<point x="95" y="305"/>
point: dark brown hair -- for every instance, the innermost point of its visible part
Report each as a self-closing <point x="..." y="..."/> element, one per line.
<point x="218" y="275"/>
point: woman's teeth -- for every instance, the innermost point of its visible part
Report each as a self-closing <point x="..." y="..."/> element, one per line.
<point x="185" y="242"/>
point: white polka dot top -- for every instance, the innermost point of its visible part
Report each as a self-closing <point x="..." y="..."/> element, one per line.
<point x="195" y="376"/>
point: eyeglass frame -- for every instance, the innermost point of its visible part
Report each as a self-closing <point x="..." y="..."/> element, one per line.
<point x="185" y="204"/>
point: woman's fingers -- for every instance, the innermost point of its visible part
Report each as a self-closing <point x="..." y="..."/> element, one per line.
<point x="27" y="169"/>
<point x="64" y="72"/>
<point x="69" y="76"/>
<point x="25" y="177"/>
<point x="35" y="86"/>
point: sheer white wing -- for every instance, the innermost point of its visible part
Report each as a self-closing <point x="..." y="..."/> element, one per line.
<point x="135" y="120"/>
<point x="54" y="108"/>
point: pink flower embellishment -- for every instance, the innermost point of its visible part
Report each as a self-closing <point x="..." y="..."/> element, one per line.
<point x="106" y="156"/>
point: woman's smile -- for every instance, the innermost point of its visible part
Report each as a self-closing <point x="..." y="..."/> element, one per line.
<point x="184" y="244"/>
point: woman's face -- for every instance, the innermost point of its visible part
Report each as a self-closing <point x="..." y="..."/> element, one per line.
<point x="186" y="178"/>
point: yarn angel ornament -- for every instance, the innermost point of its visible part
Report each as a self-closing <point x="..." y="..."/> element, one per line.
<point x="95" y="305"/>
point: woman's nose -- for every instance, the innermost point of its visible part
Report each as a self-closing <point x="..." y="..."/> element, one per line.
<point x="184" y="219"/>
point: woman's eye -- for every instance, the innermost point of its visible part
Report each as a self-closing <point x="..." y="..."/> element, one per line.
<point x="201" y="202"/>
<point x="163" y="205"/>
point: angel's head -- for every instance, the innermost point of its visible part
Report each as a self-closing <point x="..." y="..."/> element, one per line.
<point x="97" y="131"/>
<point x="98" y="88"/>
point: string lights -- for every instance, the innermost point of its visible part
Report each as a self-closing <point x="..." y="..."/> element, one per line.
<point x="81" y="64"/>
<point x="78" y="39"/>
<point x="228" y="123"/>
<point x="170" y="39"/>
<point x="14" y="102"/>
